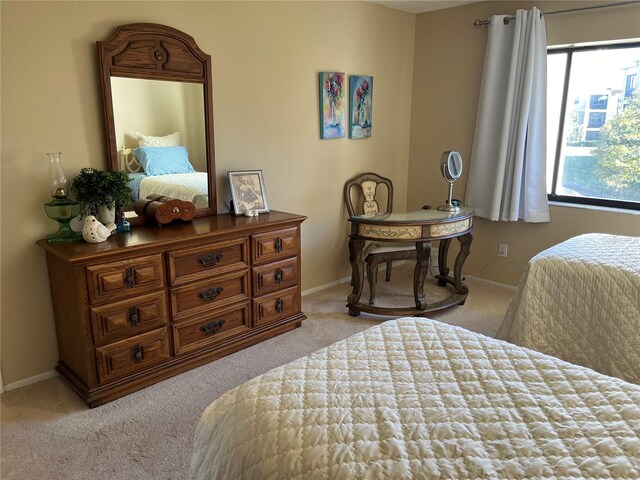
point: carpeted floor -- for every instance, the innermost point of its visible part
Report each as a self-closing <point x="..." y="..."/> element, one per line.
<point x="47" y="432"/>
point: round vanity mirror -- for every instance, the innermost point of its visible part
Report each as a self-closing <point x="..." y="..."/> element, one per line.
<point x="451" y="167"/>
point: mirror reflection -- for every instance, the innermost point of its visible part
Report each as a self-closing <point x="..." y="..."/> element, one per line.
<point x="161" y="138"/>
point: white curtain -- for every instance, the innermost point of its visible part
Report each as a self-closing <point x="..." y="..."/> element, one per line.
<point x="507" y="173"/>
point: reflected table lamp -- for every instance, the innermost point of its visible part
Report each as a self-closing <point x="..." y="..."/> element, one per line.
<point x="61" y="209"/>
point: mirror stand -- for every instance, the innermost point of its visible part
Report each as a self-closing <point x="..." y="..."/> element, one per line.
<point x="448" y="206"/>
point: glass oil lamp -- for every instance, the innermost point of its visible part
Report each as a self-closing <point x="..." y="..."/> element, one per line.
<point x="61" y="209"/>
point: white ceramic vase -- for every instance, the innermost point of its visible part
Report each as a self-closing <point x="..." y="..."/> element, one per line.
<point x="106" y="215"/>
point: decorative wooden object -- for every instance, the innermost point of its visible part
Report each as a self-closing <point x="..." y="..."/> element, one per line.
<point x="157" y="52"/>
<point x="146" y="305"/>
<point x="162" y="210"/>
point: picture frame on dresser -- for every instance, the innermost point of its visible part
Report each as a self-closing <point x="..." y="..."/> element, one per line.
<point x="248" y="191"/>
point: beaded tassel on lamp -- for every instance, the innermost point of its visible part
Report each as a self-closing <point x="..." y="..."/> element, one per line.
<point x="61" y="209"/>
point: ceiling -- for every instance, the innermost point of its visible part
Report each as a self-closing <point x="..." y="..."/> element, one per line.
<point x="421" y="6"/>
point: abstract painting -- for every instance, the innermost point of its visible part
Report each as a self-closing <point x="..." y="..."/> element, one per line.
<point x="361" y="106"/>
<point x="332" y="104"/>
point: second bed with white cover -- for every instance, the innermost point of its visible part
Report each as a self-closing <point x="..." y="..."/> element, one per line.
<point x="580" y="301"/>
<point x="416" y="398"/>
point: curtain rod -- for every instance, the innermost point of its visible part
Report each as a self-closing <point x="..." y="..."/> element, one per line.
<point x="483" y="23"/>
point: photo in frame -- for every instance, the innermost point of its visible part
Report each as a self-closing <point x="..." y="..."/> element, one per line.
<point x="247" y="191"/>
<point x="360" y="106"/>
<point x="332" y="104"/>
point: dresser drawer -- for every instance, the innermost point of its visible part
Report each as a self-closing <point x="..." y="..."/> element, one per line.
<point x="205" y="331"/>
<point x="275" y="276"/>
<point x="128" y="317"/>
<point x="201" y="262"/>
<point x="110" y="281"/>
<point x="266" y="247"/>
<point x="128" y="356"/>
<point x="276" y="306"/>
<point x="201" y="297"/>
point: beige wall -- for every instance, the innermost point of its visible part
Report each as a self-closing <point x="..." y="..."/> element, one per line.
<point x="449" y="54"/>
<point x="266" y="56"/>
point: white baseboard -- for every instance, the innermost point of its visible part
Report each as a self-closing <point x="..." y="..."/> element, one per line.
<point x="31" y="380"/>
<point x="491" y="282"/>
<point x="325" y="286"/>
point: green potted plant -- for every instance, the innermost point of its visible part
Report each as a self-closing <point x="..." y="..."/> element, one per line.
<point x="98" y="190"/>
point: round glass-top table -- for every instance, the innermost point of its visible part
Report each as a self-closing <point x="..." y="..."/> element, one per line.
<point x="420" y="227"/>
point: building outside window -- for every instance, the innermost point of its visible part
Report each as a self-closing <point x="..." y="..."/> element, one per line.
<point x="593" y="131"/>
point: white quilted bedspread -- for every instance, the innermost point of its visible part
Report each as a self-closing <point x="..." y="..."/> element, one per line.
<point x="191" y="187"/>
<point x="580" y="301"/>
<point x="417" y="399"/>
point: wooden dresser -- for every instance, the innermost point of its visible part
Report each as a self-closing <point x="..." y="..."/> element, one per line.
<point x="149" y="304"/>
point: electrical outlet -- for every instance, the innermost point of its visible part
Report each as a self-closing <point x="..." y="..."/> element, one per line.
<point x="503" y="248"/>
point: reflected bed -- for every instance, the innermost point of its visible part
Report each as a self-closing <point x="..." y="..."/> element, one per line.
<point x="164" y="171"/>
<point x="192" y="187"/>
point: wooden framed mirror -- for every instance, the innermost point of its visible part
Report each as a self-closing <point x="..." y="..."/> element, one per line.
<point x="157" y="94"/>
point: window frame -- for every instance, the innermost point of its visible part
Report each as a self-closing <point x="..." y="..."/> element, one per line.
<point x="553" y="196"/>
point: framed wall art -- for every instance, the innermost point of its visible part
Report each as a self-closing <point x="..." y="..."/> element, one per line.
<point x="247" y="191"/>
<point x="332" y="104"/>
<point x="360" y="106"/>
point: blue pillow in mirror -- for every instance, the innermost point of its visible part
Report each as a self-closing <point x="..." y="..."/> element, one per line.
<point x="164" y="160"/>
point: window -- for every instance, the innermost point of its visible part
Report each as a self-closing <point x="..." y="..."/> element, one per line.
<point x="593" y="125"/>
<point x="631" y="84"/>
<point x="592" y="135"/>
<point x="598" y="102"/>
<point x="596" y="119"/>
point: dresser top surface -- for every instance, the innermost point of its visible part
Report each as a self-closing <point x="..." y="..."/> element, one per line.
<point x="199" y="229"/>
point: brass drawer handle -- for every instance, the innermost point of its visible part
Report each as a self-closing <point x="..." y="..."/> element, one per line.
<point x="277" y="244"/>
<point x="277" y="275"/>
<point x="129" y="278"/>
<point x="279" y="305"/>
<point x="210" y="259"/>
<point x="211" y="293"/>
<point x="133" y="316"/>
<point x="136" y="351"/>
<point x="212" y="327"/>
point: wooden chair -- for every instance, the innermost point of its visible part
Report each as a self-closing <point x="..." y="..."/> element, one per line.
<point x="367" y="185"/>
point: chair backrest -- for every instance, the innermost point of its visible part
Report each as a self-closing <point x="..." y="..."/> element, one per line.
<point x="367" y="184"/>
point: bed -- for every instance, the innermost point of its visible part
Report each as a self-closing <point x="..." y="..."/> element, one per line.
<point x="580" y="301"/>
<point x="415" y="398"/>
<point x="179" y="180"/>
<point x="192" y="187"/>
